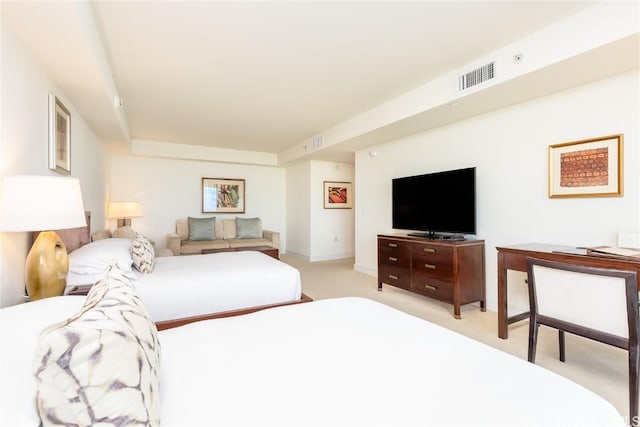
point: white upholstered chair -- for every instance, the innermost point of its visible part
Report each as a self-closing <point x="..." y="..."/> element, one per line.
<point x="600" y="304"/>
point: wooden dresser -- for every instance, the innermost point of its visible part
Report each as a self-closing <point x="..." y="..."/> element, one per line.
<point x="449" y="271"/>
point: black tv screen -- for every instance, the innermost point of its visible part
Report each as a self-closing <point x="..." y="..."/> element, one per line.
<point x="441" y="202"/>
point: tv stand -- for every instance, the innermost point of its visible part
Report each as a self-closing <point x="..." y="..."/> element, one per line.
<point x="448" y="270"/>
<point x="432" y="235"/>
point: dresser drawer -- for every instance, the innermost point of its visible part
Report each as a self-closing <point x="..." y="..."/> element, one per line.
<point x="433" y="287"/>
<point x="394" y="245"/>
<point x="432" y="266"/>
<point x="433" y="253"/>
<point x="392" y="257"/>
<point x="395" y="276"/>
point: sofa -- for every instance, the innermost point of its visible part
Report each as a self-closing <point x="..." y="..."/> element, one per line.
<point x="195" y="234"/>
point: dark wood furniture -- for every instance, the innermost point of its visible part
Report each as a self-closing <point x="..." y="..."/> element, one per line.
<point x="168" y="324"/>
<point x="268" y="250"/>
<point x="618" y="292"/>
<point x="174" y="323"/>
<point x="450" y="271"/>
<point x="515" y="258"/>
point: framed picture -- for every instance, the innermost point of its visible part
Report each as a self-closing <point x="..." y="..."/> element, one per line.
<point x="587" y="168"/>
<point x="59" y="136"/>
<point x="337" y="195"/>
<point x="222" y="195"/>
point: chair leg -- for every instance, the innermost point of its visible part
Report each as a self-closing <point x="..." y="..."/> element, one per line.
<point x="561" y="344"/>
<point x="533" y="341"/>
<point x="634" y="355"/>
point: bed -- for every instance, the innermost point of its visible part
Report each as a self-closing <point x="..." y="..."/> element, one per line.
<point x="182" y="289"/>
<point x="344" y="361"/>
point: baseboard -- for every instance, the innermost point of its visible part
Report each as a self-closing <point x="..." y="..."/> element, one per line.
<point x="365" y="270"/>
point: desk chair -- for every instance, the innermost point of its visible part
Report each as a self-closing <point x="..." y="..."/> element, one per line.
<point x="596" y="303"/>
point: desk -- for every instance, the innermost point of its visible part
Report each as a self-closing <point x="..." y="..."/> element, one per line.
<point x="515" y="258"/>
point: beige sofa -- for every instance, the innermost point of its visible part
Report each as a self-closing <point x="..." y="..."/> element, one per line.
<point x="225" y="233"/>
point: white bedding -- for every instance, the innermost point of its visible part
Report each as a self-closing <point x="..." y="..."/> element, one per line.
<point x="346" y="361"/>
<point x="353" y="361"/>
<point x="192" y="285"/>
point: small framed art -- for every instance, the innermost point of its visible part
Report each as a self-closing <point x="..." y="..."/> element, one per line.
<point x="587" y="168"/>
<point x="59" y="136"/>
<point x="337" y="195"/>
<point x="222" y="195"/>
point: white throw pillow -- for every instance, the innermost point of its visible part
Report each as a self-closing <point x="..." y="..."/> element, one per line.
<point x="143" y="254"/>
<point x="101" y="366"/>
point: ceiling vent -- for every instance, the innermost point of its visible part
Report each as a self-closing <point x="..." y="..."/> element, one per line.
<point x="317" y="142"/>
<point x="478" y="76"/>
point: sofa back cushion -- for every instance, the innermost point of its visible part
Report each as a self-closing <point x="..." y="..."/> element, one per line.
<point x="228" y="228"/>
<point x="101" y="366"/>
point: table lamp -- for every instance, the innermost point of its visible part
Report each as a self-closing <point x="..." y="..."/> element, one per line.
<point x="43" y="203"/>
<point x="124" y="211"/>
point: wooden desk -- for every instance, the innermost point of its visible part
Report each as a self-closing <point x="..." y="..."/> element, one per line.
<point x="515" y="258"/>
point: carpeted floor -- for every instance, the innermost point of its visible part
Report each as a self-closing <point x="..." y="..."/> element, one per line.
<point x="598" y="367"/>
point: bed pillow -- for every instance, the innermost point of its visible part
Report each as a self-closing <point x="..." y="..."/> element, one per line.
<point x="202" y="228"/>
<point x="100" y="366"/>
<point x="248" y="228"/>
<point x="125" y="232"/>
<point x="97" y="257"/>
<point x="143" y="254"/>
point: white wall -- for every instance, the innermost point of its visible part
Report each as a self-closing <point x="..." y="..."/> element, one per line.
<point x="169" y="189"/>
<point x="24" y="150"/>
<point x="509" y="149"/>
<point x="298" y="209"/>
<point x="332" y="230"/>
<point x="316" y="233"/>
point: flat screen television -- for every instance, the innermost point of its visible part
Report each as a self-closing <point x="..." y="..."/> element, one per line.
<point x="437" y="205"/>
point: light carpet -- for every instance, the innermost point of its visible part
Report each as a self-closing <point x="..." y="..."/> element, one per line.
<point x="599" y="367"/>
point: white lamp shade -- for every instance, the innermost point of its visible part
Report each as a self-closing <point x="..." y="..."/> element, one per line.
<point x="36" y="203"/>
<point x="124" y="210"/>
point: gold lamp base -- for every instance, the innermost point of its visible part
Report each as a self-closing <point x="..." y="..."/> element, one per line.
<point x="47" y="266"/>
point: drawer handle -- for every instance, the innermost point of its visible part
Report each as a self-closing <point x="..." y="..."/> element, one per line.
<point x="393" y="245"/>
<point x="433" y="251"/>
<point x="392" y="258"/>
<point x="393" y="276"/>
<point x="431" y="287"/>
<point x="431" y="266"/>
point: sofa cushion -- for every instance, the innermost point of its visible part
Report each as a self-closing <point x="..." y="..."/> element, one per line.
<point x="202" y="228"/>
<point x="229" y="229"/>
<point x="101" y="366"/>
<point x="248" y="228"/>
<point x="182" y="229"/>
<point x="247" y="243"/>
<point x="195" y="247"/>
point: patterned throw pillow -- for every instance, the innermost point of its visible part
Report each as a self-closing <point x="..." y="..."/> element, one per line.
<point x="248" y="228"/>
<point x="101" y="366"/>
<point x="143" y="254"/>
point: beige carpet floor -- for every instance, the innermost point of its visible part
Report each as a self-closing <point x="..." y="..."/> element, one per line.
<point x="599" y="367"/>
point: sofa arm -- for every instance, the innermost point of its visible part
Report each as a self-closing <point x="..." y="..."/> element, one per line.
<point x="164" y="252"/>
<point x="173" y="243"/>
<point x="274" y="236"/>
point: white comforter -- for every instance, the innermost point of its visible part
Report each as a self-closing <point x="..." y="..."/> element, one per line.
<point x="192" y="285"/>
<point x="345" y="362"/>
<point x="353" y="361"/>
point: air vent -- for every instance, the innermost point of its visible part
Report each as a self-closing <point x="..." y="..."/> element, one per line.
<point x="317" y="142"/>
<point x="476" y="77"/>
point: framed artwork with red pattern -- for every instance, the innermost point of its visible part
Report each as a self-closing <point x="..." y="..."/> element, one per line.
<point x="587" y="168"/>
<point x="337" y="195"/>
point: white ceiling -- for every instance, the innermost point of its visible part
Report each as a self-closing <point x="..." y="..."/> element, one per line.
<point x="260" y="76"/>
